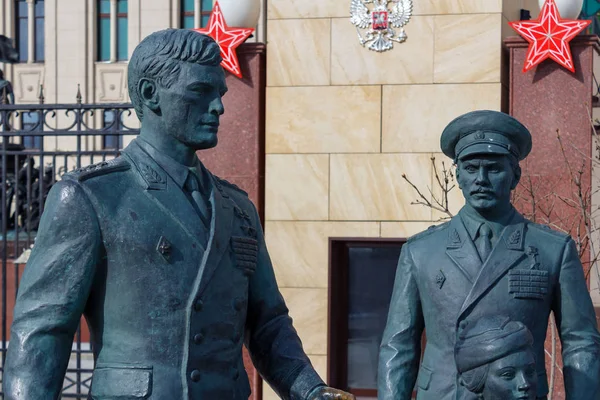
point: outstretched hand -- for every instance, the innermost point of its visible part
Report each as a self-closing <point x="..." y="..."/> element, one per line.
<point x="327" y="393"/>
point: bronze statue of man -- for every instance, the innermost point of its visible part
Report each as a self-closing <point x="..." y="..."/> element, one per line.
<point x="167" y="262"/>
<point x="488" y="259"/>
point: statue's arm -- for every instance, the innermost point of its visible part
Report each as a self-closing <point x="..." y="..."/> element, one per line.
<point x="273" y="343"/>
<point x="400" y="349"/>
<point x="576" y="323"/>
<point x="52" y="295"/>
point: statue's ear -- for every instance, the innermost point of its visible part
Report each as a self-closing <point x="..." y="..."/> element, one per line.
<point x="148" y="92"/>
<point x="517" y="171"/>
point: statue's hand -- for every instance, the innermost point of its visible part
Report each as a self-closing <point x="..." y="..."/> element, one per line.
<point x="327" y="393"/>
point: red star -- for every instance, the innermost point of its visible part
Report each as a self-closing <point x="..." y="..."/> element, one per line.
<point x="549" y="37"/>
<point x="227" y="38"/>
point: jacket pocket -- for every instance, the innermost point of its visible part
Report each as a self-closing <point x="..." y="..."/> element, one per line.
<point x="424" y="378"/>
<point x="122" y="382"/>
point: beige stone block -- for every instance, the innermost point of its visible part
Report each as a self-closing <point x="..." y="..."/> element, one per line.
<point x="300" y="250"/>
<point x="403" y="229"/>
<point x="408" y="62"/>
<point x="308" y="309"/>
<point x="467" y="48"/>
<point x="371" y="187"/>
<point x="303" y="119"/>
<point x="268" y="393"/>
<point x="437" y="7"/>
<point x="455" y="197"/>
<point x="281" y="9"/>
<point x="414" y="116"/>
<point x="297" y="187"/>
<point x="299" y="52"/>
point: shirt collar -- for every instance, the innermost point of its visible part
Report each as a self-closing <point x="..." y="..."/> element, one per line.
<point x="177" y="171"/>
<point x="473" y="221"/>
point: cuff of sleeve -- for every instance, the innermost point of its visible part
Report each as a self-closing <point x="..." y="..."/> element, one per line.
<point x="305" y="383"/>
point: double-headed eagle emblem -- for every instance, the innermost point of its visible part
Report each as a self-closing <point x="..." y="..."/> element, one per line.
<point x="380" y="22"/>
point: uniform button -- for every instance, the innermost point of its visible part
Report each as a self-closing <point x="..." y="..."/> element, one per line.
<point x="195" y="375"/>
<point x="198" y="305"/>
<point x="198" y="338"/>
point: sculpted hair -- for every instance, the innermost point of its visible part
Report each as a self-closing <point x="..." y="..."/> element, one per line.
<point x="159" y="57"/>
<point x="474" y="380"/>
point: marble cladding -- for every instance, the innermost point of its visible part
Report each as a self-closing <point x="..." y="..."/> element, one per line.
<point x="288" y="129"/>
<point x="299" y="250"/>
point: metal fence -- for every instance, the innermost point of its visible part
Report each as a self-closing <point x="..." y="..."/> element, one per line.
<point x="39" y="144"/>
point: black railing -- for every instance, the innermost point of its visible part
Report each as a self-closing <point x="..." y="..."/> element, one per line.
<point x="39" y="144"/>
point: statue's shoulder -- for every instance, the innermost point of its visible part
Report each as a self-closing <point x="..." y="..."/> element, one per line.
<point x="228" y="187"/>
<point x="118" y="164"/>
<point x="428" y="232"/>
<point x="546" y="231"/>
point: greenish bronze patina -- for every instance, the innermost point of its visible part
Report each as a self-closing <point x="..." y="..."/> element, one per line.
<point x="495" y="360"/>
<point x="487" y="260"/>
<point x="166" y="261"/>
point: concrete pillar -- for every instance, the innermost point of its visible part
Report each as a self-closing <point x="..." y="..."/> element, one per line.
<point x="113" y="30"/>
<point x="30" y="31"/>
<point x="197" y="13"/>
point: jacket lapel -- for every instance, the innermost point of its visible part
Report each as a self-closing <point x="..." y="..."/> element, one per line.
<point x="461" y="250"/>
<point x="508" y="250"/>
<point x="220" y="228"/>
<point x="166" y="193"/>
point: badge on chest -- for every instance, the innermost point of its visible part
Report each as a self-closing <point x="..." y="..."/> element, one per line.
<point x="531" y="282"/>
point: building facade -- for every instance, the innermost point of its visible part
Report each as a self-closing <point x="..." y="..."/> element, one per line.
<point x="343" y="124"/>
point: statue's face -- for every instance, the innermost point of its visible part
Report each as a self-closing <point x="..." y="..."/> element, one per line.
<point x="512" y="377"/>
<point x="486" y="181"/>
<point x="191" y="107"/>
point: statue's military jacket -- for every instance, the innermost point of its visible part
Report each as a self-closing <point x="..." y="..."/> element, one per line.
<point x="168" y="303"/>
<point x="531" y="271"/>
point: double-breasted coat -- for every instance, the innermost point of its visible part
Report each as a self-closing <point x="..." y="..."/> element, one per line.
<point x="168" y="302"/>
<point x="531" y="271"/>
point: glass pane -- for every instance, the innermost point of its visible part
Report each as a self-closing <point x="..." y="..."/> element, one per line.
<point x="104" y="6"/>
<point x="39" y="8"/>
<point x="22" y="10"/>
<point x="39" y="39"/>
<point x="187" y="5"/>
<point x="29" y="122"/>
<point x="22" y="39"/>
<point x="104" y="39"/>
<point x="205" y="19"/>
<point x="207" y="5"/>
<point x="122" y="7"/>
<point x="188" y="22"/>
<point x="371" y="273"/>
<point x="122" y="38"/>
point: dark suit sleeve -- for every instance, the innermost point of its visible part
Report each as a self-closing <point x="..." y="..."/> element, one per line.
<point x="576" y="323"/>
<point x="52" y="295"/>
<point x="401" y="344"/>
<point x="273" y="343"/>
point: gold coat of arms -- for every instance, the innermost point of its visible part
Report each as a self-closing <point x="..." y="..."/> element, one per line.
<point x="380" y="21"/>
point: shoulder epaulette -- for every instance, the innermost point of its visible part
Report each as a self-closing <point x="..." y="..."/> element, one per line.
<point x="102" y="168"/>
<point x="428" y="231"/>
<point x="230" y="185"/>
<point x="547" y="229"/>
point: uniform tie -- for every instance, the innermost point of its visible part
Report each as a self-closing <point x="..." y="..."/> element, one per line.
<point x="199" y="203"/>
<point x="484" y="243"/>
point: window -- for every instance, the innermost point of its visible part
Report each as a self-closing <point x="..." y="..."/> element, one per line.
<point x="362" y="273"/>
<point x="111" y="141"/>
<point x="122" y="30"/>
<point x="29" y="30"/>
<point x="22" y="30"/>
<point x="104" y="30"/>
<point x="195" y="13"/>
<point x="109" y="48"/>
<point x="39" y="30"/>
<point x="29" y="122"/>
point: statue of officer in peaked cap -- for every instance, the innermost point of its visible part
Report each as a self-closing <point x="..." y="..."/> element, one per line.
<point x="167" y="262"/>
<point x="486" y="260"/>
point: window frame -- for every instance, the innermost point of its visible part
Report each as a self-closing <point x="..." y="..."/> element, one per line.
<point x="18" y="32"/>
<point x="337" y="321"/>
